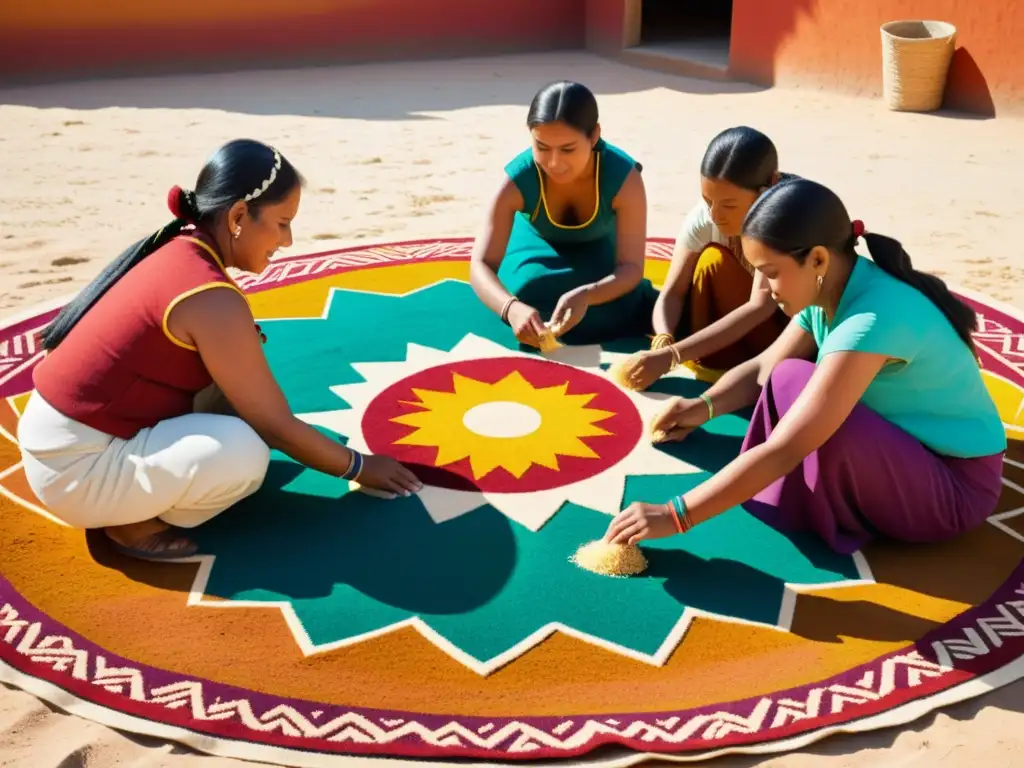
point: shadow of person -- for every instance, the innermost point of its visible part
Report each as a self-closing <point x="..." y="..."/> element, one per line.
<point x="708" y="451"/>
<point x="825" y="619"/>
<point x="965" y="570"/>
<point x="717" y="585"/>
<point x="734" y="588"/>
<point x="283" y="544"/>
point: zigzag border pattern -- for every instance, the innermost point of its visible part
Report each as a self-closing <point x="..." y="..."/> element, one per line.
<point x="976" y="642"/>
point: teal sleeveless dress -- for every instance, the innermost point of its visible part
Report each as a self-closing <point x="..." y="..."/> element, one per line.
<point x="545" y="260"/>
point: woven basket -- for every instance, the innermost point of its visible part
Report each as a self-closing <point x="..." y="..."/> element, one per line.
<point x="915" y="62"/>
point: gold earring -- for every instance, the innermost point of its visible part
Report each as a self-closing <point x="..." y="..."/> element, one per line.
<point x="238" y="231"/>
<point x="821" y="281"/>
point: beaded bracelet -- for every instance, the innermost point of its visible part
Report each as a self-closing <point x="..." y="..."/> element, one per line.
<point x="354" y="467"/>
<point x="680" y="518"/>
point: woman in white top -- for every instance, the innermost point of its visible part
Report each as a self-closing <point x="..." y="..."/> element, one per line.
<point x="715" y="311"/>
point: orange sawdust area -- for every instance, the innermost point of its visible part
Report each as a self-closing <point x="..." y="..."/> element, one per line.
<point x="138" y="610"/>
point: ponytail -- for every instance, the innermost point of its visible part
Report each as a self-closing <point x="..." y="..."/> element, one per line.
<point x="75" y="309"/>
<point x="890" y="256"/>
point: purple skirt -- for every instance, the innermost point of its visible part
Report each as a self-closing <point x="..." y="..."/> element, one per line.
<point x="870" y="479"/>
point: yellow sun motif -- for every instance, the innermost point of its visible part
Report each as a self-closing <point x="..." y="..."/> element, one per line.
<point x="550" y="424"/>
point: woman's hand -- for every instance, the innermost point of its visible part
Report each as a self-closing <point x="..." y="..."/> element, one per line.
<point x="526" y="323"/>
<point x="569" y="310"/>
<point x="383" y="473"/>
<point x="645" y="368"/>
<point x="641" y="521"/>
<point x="680" y="418"/>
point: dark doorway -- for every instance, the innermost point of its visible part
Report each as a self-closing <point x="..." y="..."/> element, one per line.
<point x="689" y="36"/>
<point x="670" y="21"/>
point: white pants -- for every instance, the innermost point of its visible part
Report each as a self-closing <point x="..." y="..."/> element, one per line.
<point x="184" y="471"/>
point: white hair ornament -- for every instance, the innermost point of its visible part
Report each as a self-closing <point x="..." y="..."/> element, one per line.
<point x="268" y="181"/>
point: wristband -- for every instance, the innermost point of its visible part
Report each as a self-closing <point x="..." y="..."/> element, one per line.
<point x="707" y="401"/>
<point x="355" y="467"/>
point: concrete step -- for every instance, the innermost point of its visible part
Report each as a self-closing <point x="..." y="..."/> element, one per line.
<point x="704" y="58"/>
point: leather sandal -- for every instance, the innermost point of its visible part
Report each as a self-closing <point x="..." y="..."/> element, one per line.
<point x="158" y="546"/>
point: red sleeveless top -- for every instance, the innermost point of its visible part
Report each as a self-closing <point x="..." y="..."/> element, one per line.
<point x="120" y="369"/>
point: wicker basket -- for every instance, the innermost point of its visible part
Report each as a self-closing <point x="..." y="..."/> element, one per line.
<point x="915" y="62"/>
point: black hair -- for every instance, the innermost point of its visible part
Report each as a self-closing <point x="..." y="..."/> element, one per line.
<point x="567" y="102"/>
<point x="743" y="157"/>
<point x="239" y="168"/>
<point x="796" y="215"/>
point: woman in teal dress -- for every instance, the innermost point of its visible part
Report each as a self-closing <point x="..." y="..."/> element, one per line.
<point x="564" y="239"/>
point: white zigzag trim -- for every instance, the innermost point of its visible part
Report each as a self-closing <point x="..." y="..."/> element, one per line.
<point x="900" y="672"/>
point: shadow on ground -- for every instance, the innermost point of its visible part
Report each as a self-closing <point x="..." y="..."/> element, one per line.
<point x="393" y="91"/>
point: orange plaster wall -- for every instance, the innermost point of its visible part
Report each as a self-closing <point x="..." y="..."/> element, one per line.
<point x="72" y="37"/>
<point x="605" y="22"/>
<point x="836" y="44"/>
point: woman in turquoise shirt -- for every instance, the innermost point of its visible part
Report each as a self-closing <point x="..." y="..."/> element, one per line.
<point x="564" y="239"/>
<point x="871" y="417"/>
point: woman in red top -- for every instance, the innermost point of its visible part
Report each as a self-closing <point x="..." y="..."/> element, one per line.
<point x="111" y="437"/>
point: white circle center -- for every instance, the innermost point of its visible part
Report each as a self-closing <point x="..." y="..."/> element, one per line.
<point x="502" y="418"/>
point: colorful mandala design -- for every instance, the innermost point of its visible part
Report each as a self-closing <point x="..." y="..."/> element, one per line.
<point x="504" y="425"/>
<point x="524" y="457"/>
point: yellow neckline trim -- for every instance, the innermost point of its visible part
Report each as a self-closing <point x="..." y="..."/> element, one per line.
<point x="597" y="196"/>
<point x="220" y="263"/>
<point x="199" y="289"/>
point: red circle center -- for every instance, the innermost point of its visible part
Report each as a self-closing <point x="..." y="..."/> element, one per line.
<point x="624" y="426"/>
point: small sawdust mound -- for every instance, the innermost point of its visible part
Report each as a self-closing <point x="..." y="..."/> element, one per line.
<point x="548" y="342"/>
<point x="610" y="559"/>
<point x="549" y="337"/>
<point x="658" y="435"/>
<point x="619" y="373"/>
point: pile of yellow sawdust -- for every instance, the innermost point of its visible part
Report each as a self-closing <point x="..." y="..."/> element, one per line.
<point x="549" y="337"/>
<point x="619" y="372"/>
<point x="658" y="436"/>
<point x="610" y="559"/>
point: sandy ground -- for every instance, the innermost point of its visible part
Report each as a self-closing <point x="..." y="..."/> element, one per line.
<point x="410" y="150"/>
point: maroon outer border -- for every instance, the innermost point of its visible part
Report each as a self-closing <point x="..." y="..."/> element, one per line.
<point x="946" y="657"/>
<point x="970" y="645"/>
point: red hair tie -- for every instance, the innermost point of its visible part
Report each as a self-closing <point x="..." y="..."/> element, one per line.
<point x="858" y="228"/>
<point x="178" y="204"/>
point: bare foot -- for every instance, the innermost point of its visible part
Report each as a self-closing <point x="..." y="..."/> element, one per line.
<point x="150" y="540"/>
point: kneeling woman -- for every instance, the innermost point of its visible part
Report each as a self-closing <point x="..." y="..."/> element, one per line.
<point x="564" y="239"/>
<point x="715" y="310"/>
<point x="872" y="418"/>
<point x="109" y="437"/>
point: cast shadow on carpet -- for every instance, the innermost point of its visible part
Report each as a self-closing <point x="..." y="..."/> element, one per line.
<point x="305" y="546"/>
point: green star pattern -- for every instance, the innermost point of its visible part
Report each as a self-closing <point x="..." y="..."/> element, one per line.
<point x="351" y="564"/>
